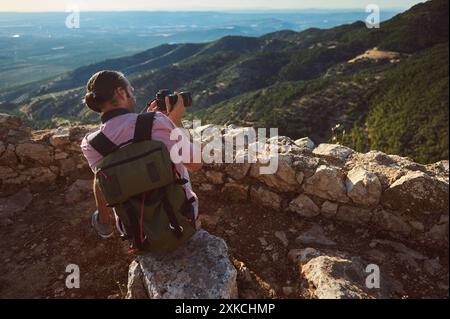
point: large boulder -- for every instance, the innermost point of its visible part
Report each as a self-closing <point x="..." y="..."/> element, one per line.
<point x="265" y="197"/>
<point x="363" y="187"/>
<point x="241" y="166"/>
<point x="329" y="209"/>
<point x="35" y="152"/>
<point x="335" y="278"/>
<point x="201" y="269"/>
<point x="305" y="142"/>
<point x="306" y="164"/>
<point x="284" y="179"/>
<point x="327" y="183"/>
<point x="60" y="137"/>
<point x="379" y="163"/>
<point x="417" y="191"/>
<point x="339" y="276"/>
<point x="304" y="206"/>
<point x="333" y="151"/>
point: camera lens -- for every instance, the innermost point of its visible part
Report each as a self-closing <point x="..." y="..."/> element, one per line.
<point x="173" y="98"/>
<point x="187" y="98"/>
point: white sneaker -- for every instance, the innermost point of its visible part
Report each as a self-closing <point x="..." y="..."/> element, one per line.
<point x="104" y="231"/>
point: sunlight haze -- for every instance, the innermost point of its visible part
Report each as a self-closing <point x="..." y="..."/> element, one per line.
<point x="175" y="5"/>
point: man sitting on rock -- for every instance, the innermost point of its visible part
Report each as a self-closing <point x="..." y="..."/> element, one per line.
<point x="111" y="94"/>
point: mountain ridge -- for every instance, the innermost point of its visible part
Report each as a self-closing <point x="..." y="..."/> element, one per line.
<point x="235" y="67"/>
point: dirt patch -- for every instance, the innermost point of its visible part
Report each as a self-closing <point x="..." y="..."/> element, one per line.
<point x="37" y="247"/>
<point x="375" y="54"/>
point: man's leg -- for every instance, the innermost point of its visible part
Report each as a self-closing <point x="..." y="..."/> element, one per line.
<point x="105" y="212"/>
<point x="101" y="218"/>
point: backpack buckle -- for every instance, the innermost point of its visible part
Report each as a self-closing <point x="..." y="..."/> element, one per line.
<point x="173" y="228"/>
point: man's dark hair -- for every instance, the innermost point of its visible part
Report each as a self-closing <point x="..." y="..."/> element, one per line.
<point x="101" y="87"/>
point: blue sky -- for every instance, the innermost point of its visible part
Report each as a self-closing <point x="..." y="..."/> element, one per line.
<point x="113" y="5"/>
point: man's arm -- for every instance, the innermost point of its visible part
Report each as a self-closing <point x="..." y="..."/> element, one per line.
<point x="175" y="114"/>
<point x="93" y="157"/>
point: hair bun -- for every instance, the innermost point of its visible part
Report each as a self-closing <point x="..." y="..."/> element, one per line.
<point x="89" y="99"/>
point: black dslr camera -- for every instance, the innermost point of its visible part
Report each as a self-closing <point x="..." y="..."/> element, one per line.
<point x="173" y="98"/>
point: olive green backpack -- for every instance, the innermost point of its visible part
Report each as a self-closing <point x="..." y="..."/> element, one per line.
<point x="139" y="180"/>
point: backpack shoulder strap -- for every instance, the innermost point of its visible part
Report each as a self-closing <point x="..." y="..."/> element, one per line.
<point x="144" y="126"/>
<point x="101" y="143"/>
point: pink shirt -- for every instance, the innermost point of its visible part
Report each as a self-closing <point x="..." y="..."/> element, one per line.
<point x="120" y="129"/>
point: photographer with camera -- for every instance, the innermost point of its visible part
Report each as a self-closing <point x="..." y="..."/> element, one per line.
<point x="125" y="188"/>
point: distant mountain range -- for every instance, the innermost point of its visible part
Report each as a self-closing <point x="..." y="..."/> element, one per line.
<point x="37" y="46"/>
<point x="384" y="89"/>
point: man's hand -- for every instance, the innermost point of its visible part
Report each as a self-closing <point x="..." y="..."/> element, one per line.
<point x="175" y="113"/>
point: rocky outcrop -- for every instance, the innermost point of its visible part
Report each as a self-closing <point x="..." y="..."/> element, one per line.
<point x="406" y="200"/>
<point x="334" y="151"/>
<point x="327" y="183"/>
<point x="390" y="193"/>
<point x="402" y="202"/>
<point x="417" y="190"/>
<point x="199" y="270"/>
<point x="305" y="142"/>
<point x="38" y="158"/>
<point x="339" y="276"/>
<point x="363" y="186"/>
<point x="304" y="206"/>
<point x="283" y="179"/>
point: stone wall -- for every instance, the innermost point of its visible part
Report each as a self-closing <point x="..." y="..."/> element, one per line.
<point x="39" y="159"/>
<point x="390" y="193"/>
<point x="375" y="190"/>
